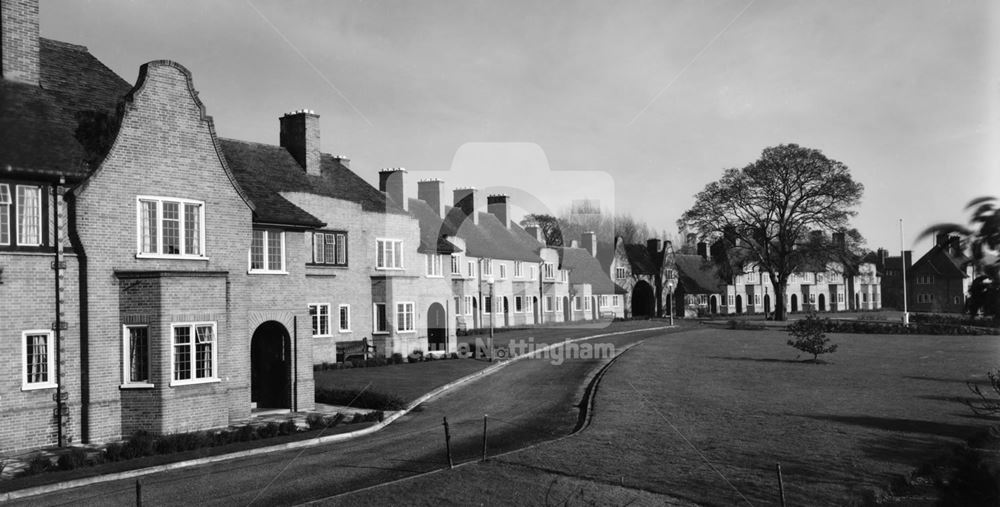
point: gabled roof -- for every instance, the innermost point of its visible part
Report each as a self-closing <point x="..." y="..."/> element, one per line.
<point x="526" y="240"/>
<point x="431" y="232"/>
<point x="67" y="123"/>
<point x="698" y="275"/>
<point x="941" y="260"/>
<point x="488" y="239"/>
<point x="585" y="268"/>
<point x="641" y="261"/>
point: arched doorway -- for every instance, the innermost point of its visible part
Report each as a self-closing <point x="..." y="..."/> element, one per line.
<point x="739" y="303"/>
<point x="713" y="305"/>
<point x="270" y="366"/>
<point x="795" y="302"/>
<point x="767" y="304"/>
<point x="437" y="328"/>
<point x="643" y="300"/>
<point x="822" y="302"/>
<point x="567" y="310"/>
<point x="506" y="312"/>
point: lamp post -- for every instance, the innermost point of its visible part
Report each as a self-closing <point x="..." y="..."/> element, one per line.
<point x="670" y="289"/>
<point x="902" y="263"/>
<point x="493" y="314"/>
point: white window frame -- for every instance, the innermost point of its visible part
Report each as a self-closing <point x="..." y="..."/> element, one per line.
<point x="127" y="382"/>
<point x="159" y="200"/>
<point x="340" y="318"/>
<point x="533" y="272"/>
<point x="487" y="267"/>
<point x="547" y="304"/>
<point x="840" y="297"/>
<point x="456" y="264"/>
<point x="19" y="212"/>
<point x="577" y="303"/>
<point x="375" y="321"/>
<point x="471" y="266"/>
<point x="267" y="252"/>
<point x="319" y="318"/>
<point x="548" y="271"/>
<point x="621" y="272"/>
<point x="339" y="247"/>
<point x="587" y="305"/>
<point x="193" y="346"/>
<point x="468" y="305"/>
<point x="50" y="361"/>
<point x="434" y="264"/>
<point x="382" y="249"/>
<point x="518" y="303"/>
<point x="503" y="270"/>
<point x="408" y="308"/>
<point x="518" y="269"/>
<point x="6" y="205"/>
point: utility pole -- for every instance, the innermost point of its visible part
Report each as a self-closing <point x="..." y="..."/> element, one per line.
<point x="902" y="262"/>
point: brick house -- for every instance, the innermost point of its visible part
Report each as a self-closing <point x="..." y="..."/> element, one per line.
<point x="593" y="294"/>
<point x="642" y="274"/>
<point x="939" y="280"/>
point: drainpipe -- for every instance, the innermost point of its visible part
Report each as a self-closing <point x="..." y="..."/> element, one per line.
<point x="58" y="266"/>
<point x="295" y="363"/>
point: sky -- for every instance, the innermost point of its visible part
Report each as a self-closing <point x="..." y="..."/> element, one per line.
<point x="638" y="104"/>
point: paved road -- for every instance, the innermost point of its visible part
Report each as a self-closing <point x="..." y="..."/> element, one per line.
<point x="528" y="401"/>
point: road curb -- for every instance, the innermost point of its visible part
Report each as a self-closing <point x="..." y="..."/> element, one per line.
<point x="130" y="474"/>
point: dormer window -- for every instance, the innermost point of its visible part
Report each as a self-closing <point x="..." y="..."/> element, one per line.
<point x="170" y="228"/>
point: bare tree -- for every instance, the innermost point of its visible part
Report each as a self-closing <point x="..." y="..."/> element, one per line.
<point x="770" y="208"/>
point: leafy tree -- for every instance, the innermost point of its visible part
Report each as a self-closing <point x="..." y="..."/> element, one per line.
<point x="549" y="225"/>
<point x="810" y="337"/>
<point x="981" y="241"/>
<point x="769" y="209"/>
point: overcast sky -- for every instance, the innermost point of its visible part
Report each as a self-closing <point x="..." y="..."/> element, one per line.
<point x="639" y="104"/>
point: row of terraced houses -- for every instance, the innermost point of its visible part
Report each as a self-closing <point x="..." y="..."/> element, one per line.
<point x="154" y="276"/>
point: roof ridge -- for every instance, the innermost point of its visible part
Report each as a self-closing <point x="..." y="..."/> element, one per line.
<point x="69" y="45"/>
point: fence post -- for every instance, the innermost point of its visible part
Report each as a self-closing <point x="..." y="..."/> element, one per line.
<point x="781" y="484"/>
<point x="138" y="493"/>
<point x="484" y="436"/>
<point x="447" y="443"/>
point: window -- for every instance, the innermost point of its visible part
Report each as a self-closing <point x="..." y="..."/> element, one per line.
<point x="577" y="303"/>
<point x="925" y="279"/>
<point x="380" y="318"/>
<point x="812" y="298"/>
<point x="456" y="265"/>
<point x="37" y="360"/>
<point x="194" y="353"/>
<point x="5" y="202"/>
<point x="532" y="273"/>
<point x="471" y="269"/>
<point x="389" y="254"/>
<point x="503" y="271"/>
<point x="173" y="227"/>
<point x="756" y="299"/>
<point x="603" y="302"/>
<point x="730" y="300"/>
<point x="487" y="267"/>
<point x="518" y="269"/>
<point x="819" y="277"/>
<point x="620" y="272"/>
<point x="925" y="298"/>
<point x="487" y="304"/>
<point x="840" y="297"/>
<point x="518" y="304"/>
<point x="345" y="318"/>
<point x="559" y="304"/>
<point x="528" y="308"/>
<point x="136" y="357"/>
<point x="702" y="299"/>
<point x="434" y="262"/>
<point x="29" y="215"/>
<point x="864" y="297"/>
<point x="320" y="316"/>
<point x="615" y="301"/>
<point x="468" y="305"/>
<point x="548" y="271"/>
<point x="404" y="317"/>
<point x="563" y="275"/>
<point x="330" y="248"/>
<point x="458" y="305"/>
<point x="267" y="251"/>
<point x="548" y="303"/>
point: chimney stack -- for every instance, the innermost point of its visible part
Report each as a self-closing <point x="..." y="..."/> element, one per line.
<point x="300" y="136"/>
<point x="19" y="41"/>
<point x="588" y="241"/>
<point x="703" y="249"/>
<point x="429" y="191"/>
<point x="498" y="205"/>
<point x="536" y="232"/>
<point x="653" y="245"/>
<point x="466" y="200"/>
<point x="390" y="182"/>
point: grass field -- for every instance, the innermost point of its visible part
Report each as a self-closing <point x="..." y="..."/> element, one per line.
<point x="704" y="416"/>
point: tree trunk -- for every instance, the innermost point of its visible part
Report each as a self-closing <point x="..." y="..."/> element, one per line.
<point x="779" y="301"/>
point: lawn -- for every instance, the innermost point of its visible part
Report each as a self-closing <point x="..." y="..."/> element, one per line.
<point x="411" y="380"/>
<point x="705" y="416"/>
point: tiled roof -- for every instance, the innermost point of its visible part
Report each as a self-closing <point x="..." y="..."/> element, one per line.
<point x="66" y="124"/>
<point x="942" y="261"/>
<point x="642" y="261"/>
<point x="431" y="232"/>
<point x="585" y="268"/>
<point x="488" y="239"/>
<point x="698" y="275"/>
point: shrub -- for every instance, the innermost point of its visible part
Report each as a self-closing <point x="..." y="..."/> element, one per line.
<point x="287" y="427"/>
<point x="38" y="464"/>
<point x="138" y="445"/>
<point x="268" y="430"/>
<point x="454" y="355"/>
<point x="809" y="336"/>
<point x="360" y="399"/>
<point x="75" y="458"/>
<point x="113" y="452"/>
<point x="988" y="403"/>
<point x="244" y="434"/>
<point x="315" y="421"/>
<point x="744" y="325"/>
<point x="397" y="358"/>
<point x="416" y="356"/>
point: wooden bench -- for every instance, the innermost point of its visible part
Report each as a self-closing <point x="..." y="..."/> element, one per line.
<point x="355" y="349"/>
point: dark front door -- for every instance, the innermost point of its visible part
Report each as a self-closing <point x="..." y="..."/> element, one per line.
<point x="437" y="328"/>
<point x="270" y="366"/>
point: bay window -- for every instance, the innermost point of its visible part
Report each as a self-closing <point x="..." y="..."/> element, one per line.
<point x="194" y="353"/>
<point x="404" y="317"/>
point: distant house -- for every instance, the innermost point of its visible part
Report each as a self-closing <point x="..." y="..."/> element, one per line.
<point x="642" y="275"/>
<point x="939" y="280"/>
